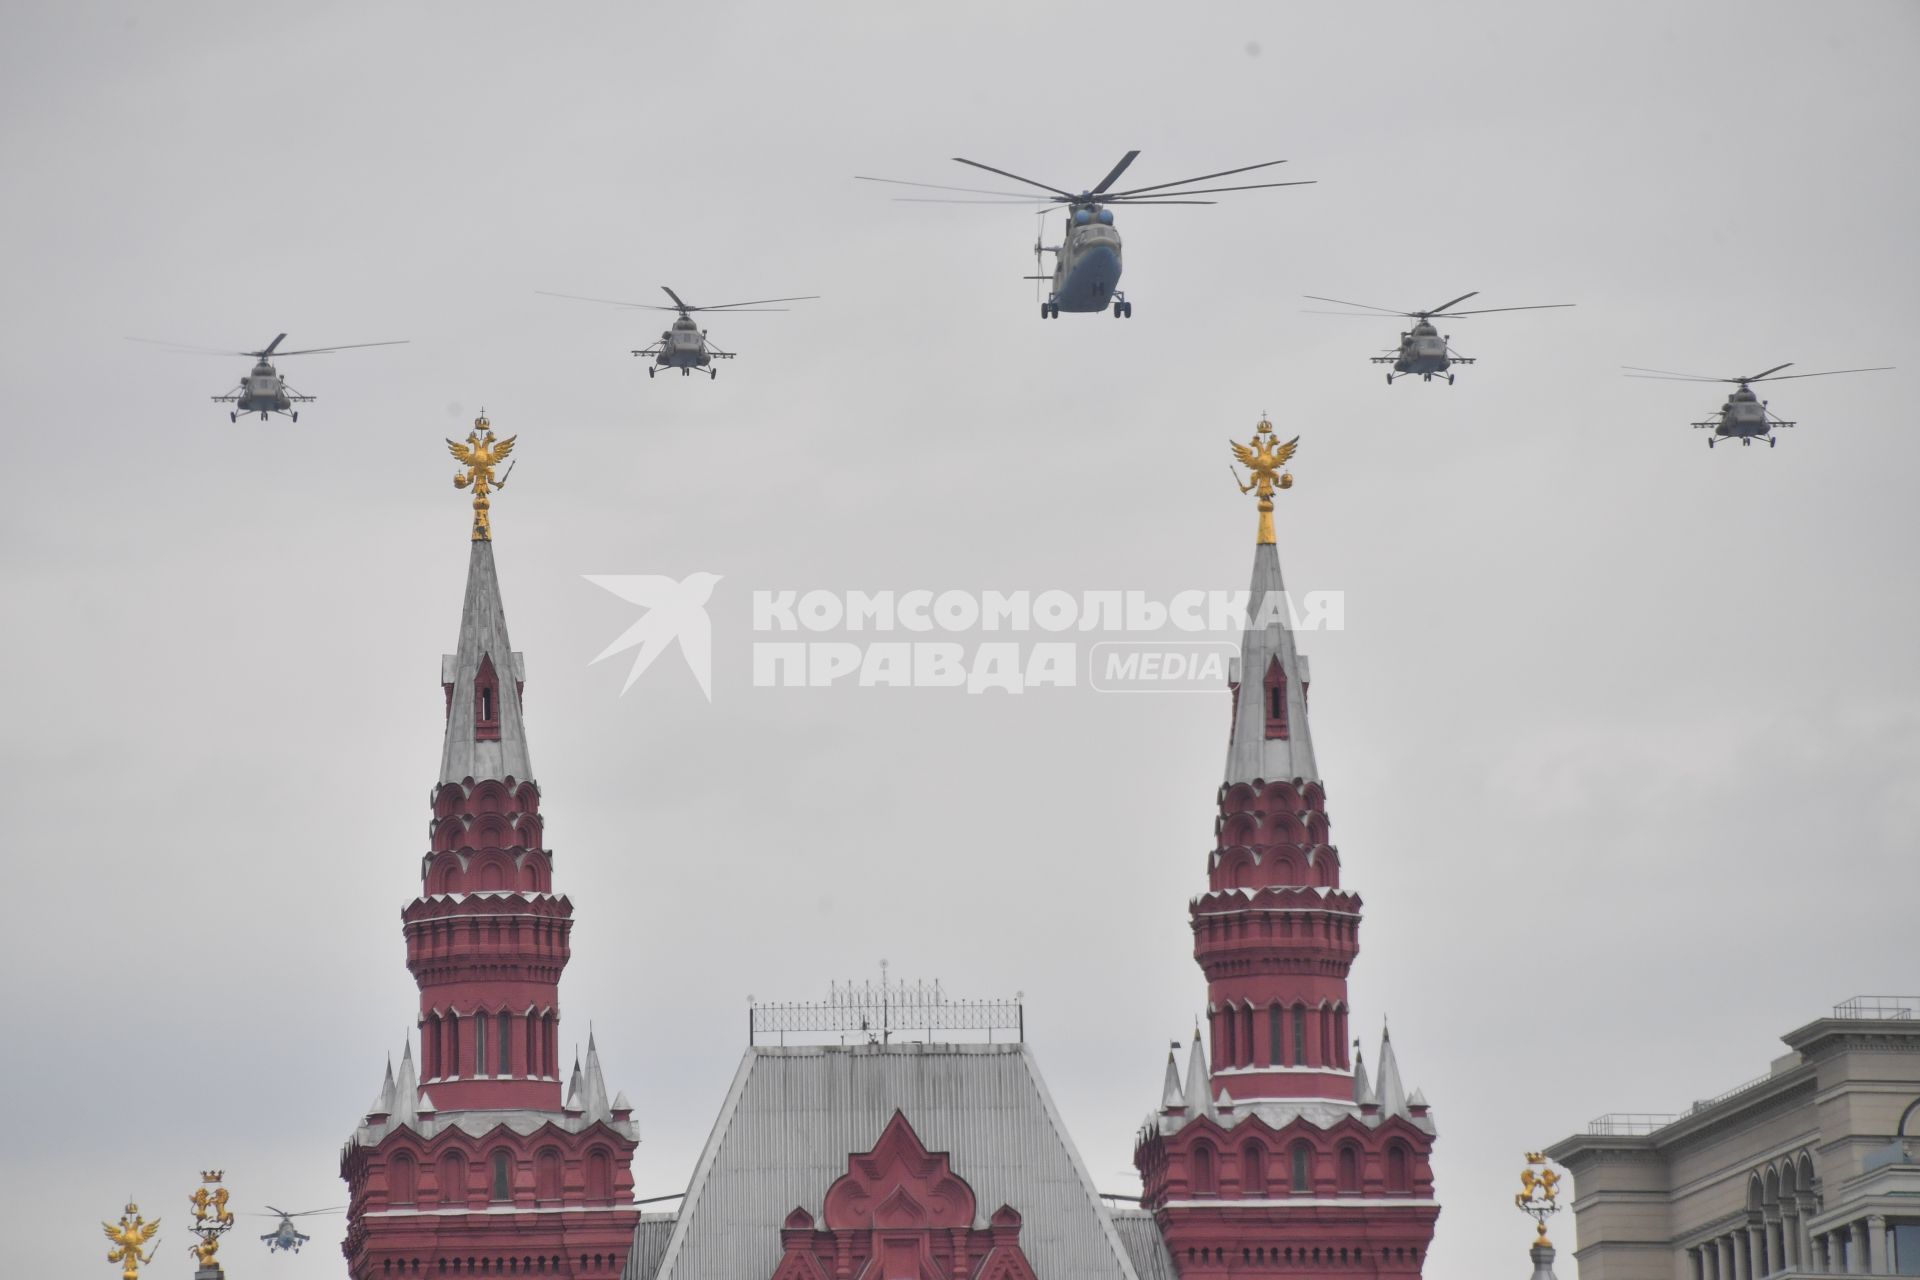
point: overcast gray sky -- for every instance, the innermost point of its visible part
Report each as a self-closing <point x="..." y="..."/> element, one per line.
<point x="1620" y="739"/>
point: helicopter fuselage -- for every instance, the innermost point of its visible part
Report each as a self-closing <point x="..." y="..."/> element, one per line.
<point x="262" y="391"/>
<point x="1423" y="351"/>
<point x="1744" y="418"/>
<point x="1086" y="269"/>
<point x="683" y="346"/>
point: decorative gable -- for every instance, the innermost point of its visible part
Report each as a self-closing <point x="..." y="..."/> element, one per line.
<point x="901" y="1213"/>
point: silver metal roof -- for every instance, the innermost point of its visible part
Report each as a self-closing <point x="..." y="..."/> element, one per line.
<point x="1145" y="1245"/>
<point x="795" y="1114"/>
<point x="1252" y="754"/>
<point x="483" y="634"/>
<point x="649" y="1245"/>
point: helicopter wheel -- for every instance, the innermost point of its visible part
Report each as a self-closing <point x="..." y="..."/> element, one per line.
<point x="712" y="374"/>
<point x="1045" y="311"/>
<point x="1389" y="379"/>
<point x="1449" y="379"/>
<point x="650" y="371"/>
<point x="1129" y="311"/>
<point x="1709" y="442"/>
<point x="1771" y="442"/>
<point x="233" y="417"/>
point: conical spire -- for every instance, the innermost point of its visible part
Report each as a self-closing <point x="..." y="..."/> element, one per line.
<point x="1362" y="1088"/>
<point x="574" y="1102"/>
<point x="1170" y="1095"/>
<point x="1199" y="1095"/>
<point x="1393" y="1095"/>
<point x="486" y="737"/>
<point x="383" y="1101"/>
<point x="406" y="1089"/>
<point x="594" y="1103"/>
<point x="1267" y="745"/>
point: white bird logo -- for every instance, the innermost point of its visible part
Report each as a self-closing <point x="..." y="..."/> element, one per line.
<point x="675" y="610"/>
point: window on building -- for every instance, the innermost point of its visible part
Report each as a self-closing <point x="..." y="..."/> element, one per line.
<point x="1274" y="1037"/>
<point x="453" y="1045"/>
<point x="1299" y="1035"/>
<point x="479" y="1044"/>
<point x="1233" y="1051"/>
<point x="502" y="1176"/>
<point x="1349" y="1168"/>
<point x="505" y="1066"/>
<point x="1203" y="1172"/>
<point x="1253" y="1170"/>
<point x="1302" y="1167"/>
<point x="1398" y="1178"/>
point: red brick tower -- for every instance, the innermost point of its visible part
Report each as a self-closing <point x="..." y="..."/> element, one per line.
<point x="472" y="1160"/>
<point x="1282" y="1159"/>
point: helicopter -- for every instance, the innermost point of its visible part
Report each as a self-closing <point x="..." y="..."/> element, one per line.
<point x="263" y="390"/>
<point x="1086" y="269"/>
<point x="1423" y="349"/>
<point x="684" y="344"/>
<point x="286" y="1237"/>
<point x="1745" y="416"/>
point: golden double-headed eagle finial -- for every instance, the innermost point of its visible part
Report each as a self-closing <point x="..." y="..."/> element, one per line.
<point x="479" y="456"/>
<point x="1539" y="1196"/>
<point x="134" y="1240"/>
<point x="1265" y="459"/>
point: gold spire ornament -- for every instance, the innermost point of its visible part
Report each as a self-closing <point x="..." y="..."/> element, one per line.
<point x="128" y="1237"/>
<point x="1264" y="457"/>
<point x="211" y="1218"/>
<point x="479" y="456"/>
<point x="1539" y="1194"/>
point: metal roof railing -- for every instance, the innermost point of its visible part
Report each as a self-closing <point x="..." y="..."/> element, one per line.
<point x="1878" y="1008"/>
<point x="1629" y="1124"/>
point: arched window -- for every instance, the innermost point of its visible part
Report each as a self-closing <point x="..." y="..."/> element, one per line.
<point x="453" y="1178"/>
<point x="1349" y="1167"/>
<point x="1204" y="1181"/>
<point x="1299" y="1035"/>
<point x="546" y="1175"/>
<point x="1233" y="1050"/>
<point x="479" y="1044"/>
<point x="506" y="1040"/>
<point x="502" y="1175"/>
<point x="599" y="1176"/>
<point x="1397" y="1174"/>
<point x="1274" y="1036"/>
<point x="453" y="1045"/>
<point x="400" y="1179"/>
<point x="1302" y="1167"/>
<point x="1253" y="1170"/>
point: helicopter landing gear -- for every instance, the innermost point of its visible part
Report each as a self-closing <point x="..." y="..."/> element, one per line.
<point x="1389" y="379"/>
<point x="1122" y="308"/>
<point x="1771" y="442"/>
<point x="650" y="371"/>
<point x="1709" y="442"/>
<point x="712" y="374"/>
<point x="233" y="417"/>
<point x="295" y="415"/>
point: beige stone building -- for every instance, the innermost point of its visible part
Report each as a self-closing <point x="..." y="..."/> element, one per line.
<point x="1811" y="1169"/>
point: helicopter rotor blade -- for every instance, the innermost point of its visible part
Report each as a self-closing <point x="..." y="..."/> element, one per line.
<point x="1669" y="373"/>
<point x="271" y="345"/>
<point x="188" y="348"/>
<point x="1150" y="203"/>
<point x="1027" y="200"/>
<point x="1205" y="177"/>
<point x="1118" y="169"/>
<point x="1445" y="305"/>
<point x="935" y="186"/>
<point x="1344" y="303"/>
<point x="1676" y="377"/>
<point x="1483" y="311"/>
<point x="1068" y="195"/>
<point x="349" y="346"/>
<point x="728" y="306"/>
<point x="1777" y="368"/>
<point x="1824" y="373"/>
<point x="1205" y="191"/>
<point x="611" y="302"/>
<point x="676" y="299"/>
